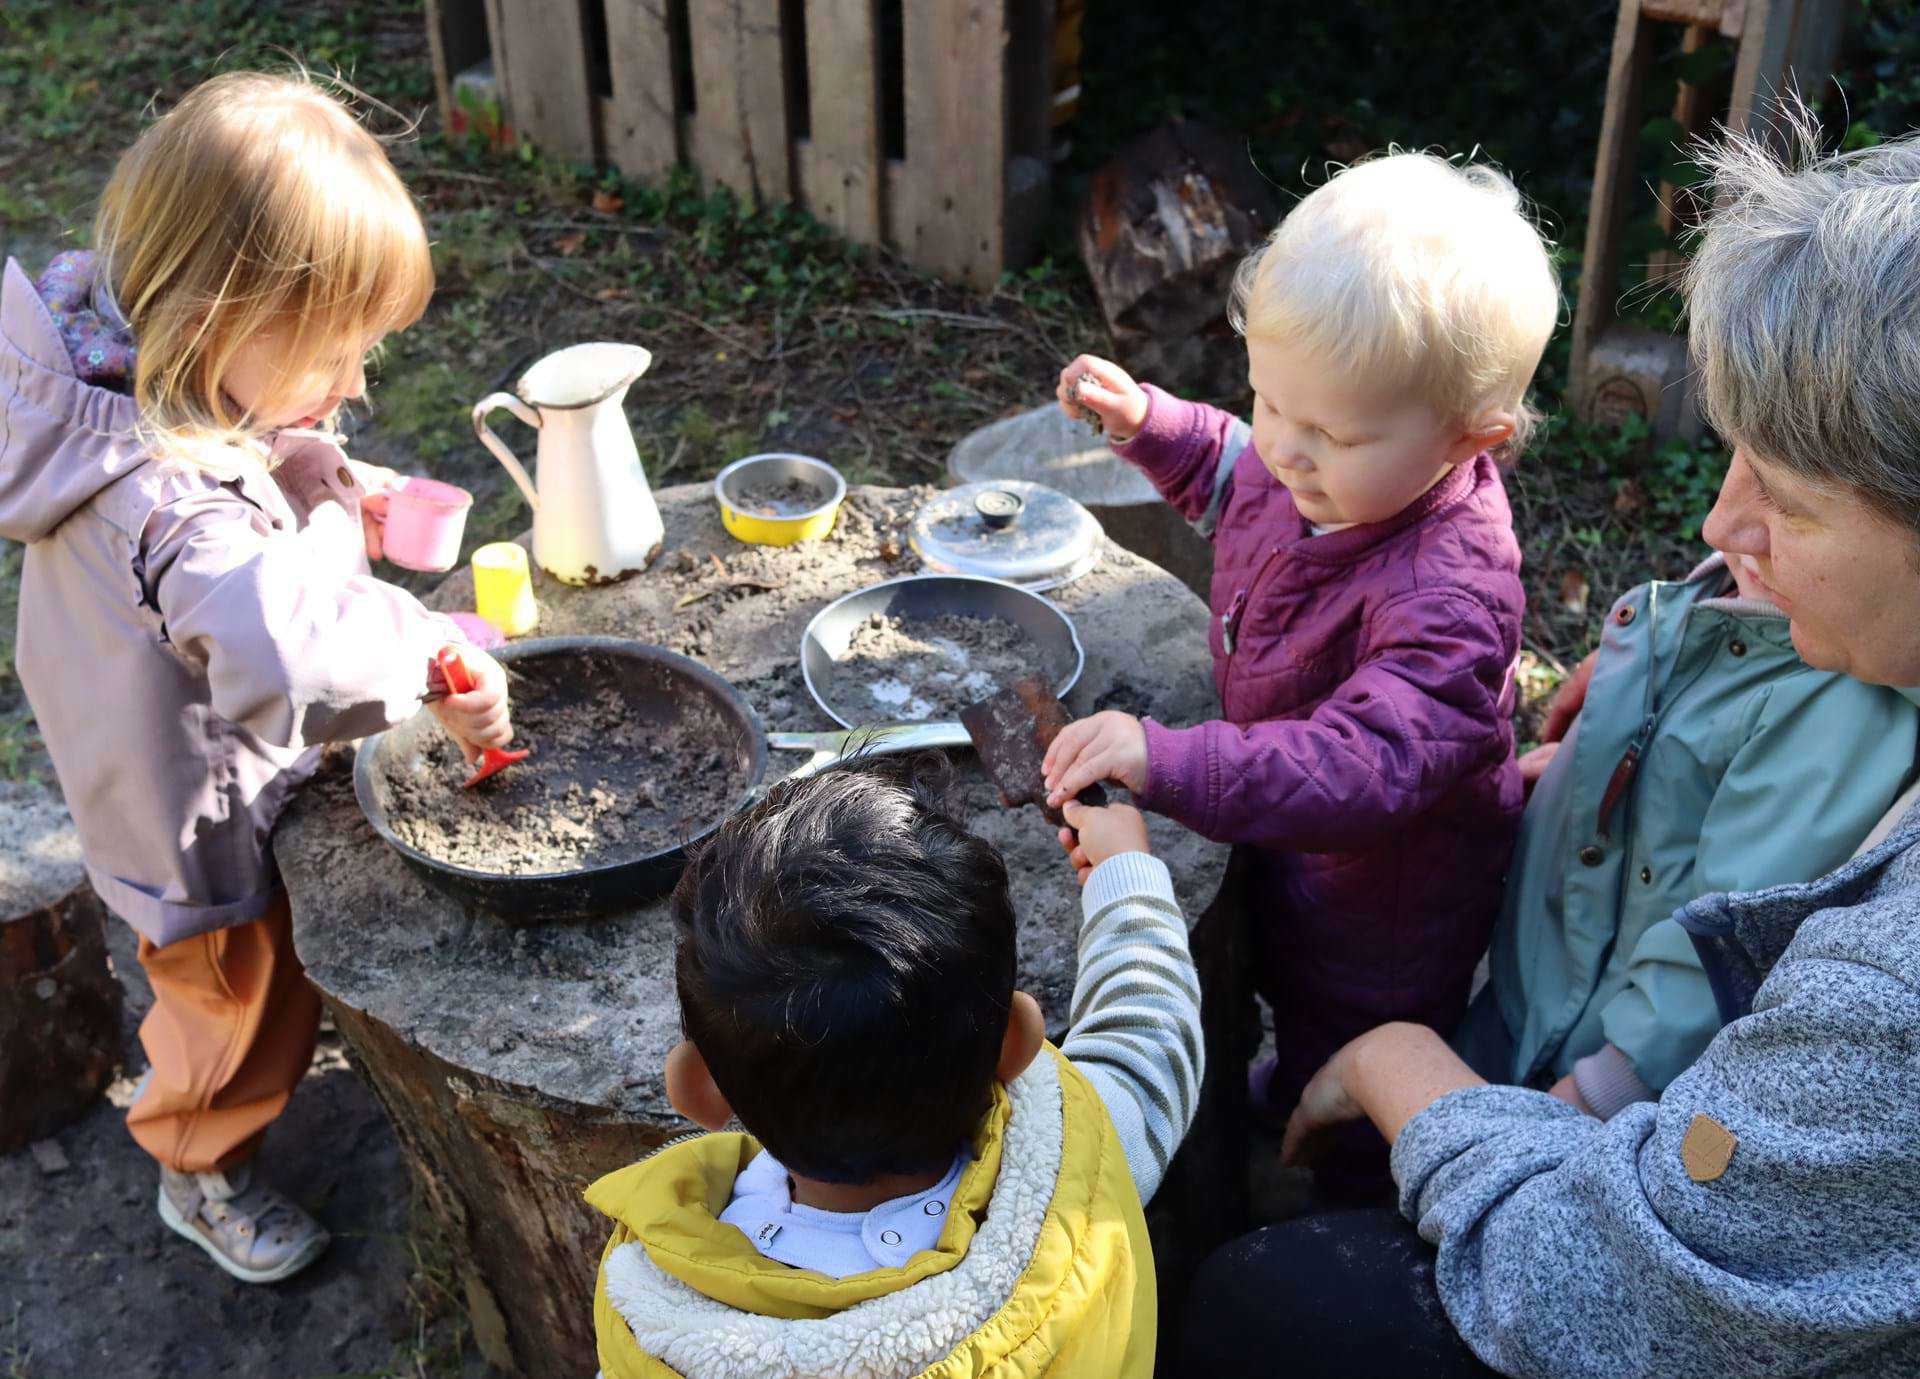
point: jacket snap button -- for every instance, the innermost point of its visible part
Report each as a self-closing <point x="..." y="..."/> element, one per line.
<point x="345" y="478"/>
<point x="1624" y="616"/>
<point x="934" y="1208"/>
<point x="889" y="1237"/>
<point x="1737" y="648"/>
<point x="1646" y="876"/>
<point x="1591" y="855"/>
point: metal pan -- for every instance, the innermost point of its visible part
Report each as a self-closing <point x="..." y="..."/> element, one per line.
<point x="919" y="597"/>
<point x="657" y="686"/>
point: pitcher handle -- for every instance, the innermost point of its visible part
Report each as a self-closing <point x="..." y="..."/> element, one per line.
<point x="498" y="446"/>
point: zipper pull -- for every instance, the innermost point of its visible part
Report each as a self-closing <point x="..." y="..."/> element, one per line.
<point x="1622" y="777"/>
<point x="1228" y="618"/>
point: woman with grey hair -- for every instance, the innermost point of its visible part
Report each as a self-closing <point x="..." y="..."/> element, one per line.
<point x="1763" y="1216"/>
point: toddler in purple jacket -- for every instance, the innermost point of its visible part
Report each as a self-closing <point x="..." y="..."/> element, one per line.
<point x="1366" y="599"/>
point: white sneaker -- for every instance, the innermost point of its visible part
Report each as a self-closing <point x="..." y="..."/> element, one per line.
<point x="254" y="1233"/>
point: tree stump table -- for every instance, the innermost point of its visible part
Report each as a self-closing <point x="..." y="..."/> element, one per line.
<point x="518" y="1064"/>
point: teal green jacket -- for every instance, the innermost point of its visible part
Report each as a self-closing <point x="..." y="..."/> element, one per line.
<point x="1708" y="757"/>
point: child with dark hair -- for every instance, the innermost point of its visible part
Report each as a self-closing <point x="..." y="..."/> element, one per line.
<point x="923" y="1180"/>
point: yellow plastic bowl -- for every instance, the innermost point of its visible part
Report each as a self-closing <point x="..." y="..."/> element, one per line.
<point x="760" y="529"/>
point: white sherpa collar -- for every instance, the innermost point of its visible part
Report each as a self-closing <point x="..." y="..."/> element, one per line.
<point x="889" y="1337"/>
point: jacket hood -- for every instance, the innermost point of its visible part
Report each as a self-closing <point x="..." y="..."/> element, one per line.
<point x="696" y="1294"/>
<point x="62" y="440"/>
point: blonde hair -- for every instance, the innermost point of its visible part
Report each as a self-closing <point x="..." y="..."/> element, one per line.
<point x="258" y="203"/>
<point x="1419" y="270"/>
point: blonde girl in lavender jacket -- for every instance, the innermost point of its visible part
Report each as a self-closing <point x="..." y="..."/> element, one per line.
<point x="197" y="613"/>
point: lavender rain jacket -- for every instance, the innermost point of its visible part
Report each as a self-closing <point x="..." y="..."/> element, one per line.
<point x="1366" y="748"/>
<point x="186" y="637"/>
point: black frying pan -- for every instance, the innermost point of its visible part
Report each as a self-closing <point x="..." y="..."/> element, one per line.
<point x="658" y="687"/>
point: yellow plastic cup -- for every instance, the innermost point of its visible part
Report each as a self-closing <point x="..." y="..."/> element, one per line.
<point x="503" y="588"/>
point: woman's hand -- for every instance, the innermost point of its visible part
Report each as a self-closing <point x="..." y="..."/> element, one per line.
<point x="478" y="718"/>
<point x="1094" y="385"/>
<point x="1103" y="833"/>
<point x="1326" y="1105"/>
<point x="379" y="484"/>
<point x="1568" y="699"/>
<point x="1390" y="1074"/>
<point x="1107" y="746"/>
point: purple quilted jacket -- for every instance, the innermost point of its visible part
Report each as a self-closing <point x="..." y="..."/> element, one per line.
<point x="1366" y="752"/>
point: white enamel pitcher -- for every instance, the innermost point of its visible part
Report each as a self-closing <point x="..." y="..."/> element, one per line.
<point x="594" y="518"/>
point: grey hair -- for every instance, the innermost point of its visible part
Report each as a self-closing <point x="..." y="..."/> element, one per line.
<point x="1803" y="305"/>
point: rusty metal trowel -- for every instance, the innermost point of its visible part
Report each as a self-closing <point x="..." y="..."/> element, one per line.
<point x="1012" y="732"/>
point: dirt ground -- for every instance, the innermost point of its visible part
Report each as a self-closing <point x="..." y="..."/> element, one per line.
<point x="92" y="1284"/>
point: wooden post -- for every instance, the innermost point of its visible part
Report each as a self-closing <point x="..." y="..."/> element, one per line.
<point x="954" y="212"/>
<point x="540" y="61"/>
<point x="1618" y="371"/>
<point x="59" y="1000"/>
<point x="739" y="130"/>
<point x="1613" y="184"/>
<point x="642" y="135"/>
<point x="842" y="157"/>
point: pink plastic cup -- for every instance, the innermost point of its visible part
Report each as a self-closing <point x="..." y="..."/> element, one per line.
<point x="425" y="521"/>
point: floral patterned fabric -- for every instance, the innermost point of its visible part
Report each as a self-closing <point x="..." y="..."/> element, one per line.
<point x="90" y="325"/>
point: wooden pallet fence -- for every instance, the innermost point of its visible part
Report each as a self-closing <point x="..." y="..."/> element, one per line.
<point x="924" y="125"/>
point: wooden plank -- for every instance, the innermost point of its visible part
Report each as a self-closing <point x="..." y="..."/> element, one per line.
<point x="842" y="160"/>
<point x="740" y="98"/>
<point x="956" y="117"/>
<point x="1613" y="183"/>
<point x="443" y="74"/>
<point x="456" y="40"/>
<point x="1786" y="43"/>
<point x="540" y="61"/>
<point x="1708" y="12"/>
<point x="1762" y="60"/>
<point x="642" y="133"/>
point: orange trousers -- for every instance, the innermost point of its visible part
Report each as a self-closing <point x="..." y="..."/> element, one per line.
<point x="229" y="1037"/>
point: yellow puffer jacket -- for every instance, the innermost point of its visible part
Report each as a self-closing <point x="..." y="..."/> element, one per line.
<point x="1043" y="1266"/>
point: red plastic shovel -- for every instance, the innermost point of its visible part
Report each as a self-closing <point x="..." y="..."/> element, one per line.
<point x="492" y="759"/>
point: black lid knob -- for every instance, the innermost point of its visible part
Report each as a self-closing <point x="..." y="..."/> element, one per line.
<point x="998" y="507"/>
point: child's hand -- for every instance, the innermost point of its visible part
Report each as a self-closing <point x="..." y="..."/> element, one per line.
<point x="1092" y="384"/>
<point x="380" y="484"/>
<point x="1107" y="746"/>
<point x="477" y="718"/>
<point x="1104" y="833"/>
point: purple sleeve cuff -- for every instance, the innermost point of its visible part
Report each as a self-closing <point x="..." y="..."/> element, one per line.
<point x="1178" y="775"/>
<point x="1168" y="424"/>
<point x="1608" y="1082"/>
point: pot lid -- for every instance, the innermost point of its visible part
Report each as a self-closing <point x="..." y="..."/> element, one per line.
<point x="1010" y="529"/>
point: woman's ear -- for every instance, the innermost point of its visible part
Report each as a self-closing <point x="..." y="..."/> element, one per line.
<point x="692" y="1090"/>
<point x="1026" y="1031"/>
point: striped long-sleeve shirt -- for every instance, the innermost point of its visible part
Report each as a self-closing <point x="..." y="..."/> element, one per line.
<point x="1134" y="1026"/>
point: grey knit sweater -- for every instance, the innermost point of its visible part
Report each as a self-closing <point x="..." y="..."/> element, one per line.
<point x="1568" y="1246"/>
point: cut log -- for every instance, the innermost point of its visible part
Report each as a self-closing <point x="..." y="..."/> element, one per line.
<point x="1166" y="223"/>
<point x="59" y="1001"/>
